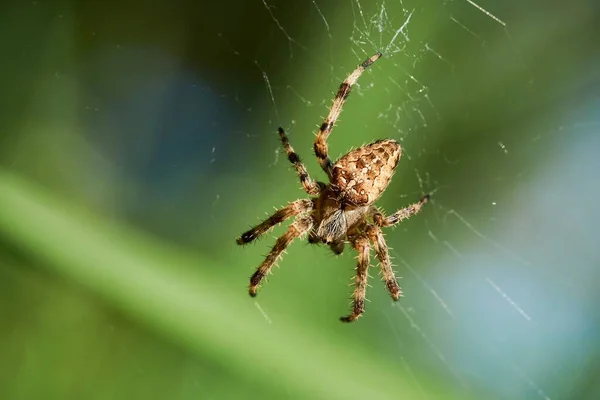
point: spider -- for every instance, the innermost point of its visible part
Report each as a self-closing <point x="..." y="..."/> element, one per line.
<point x="342" y="211"/>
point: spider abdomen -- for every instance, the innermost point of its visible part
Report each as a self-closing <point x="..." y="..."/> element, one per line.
<point x="363" y="174"/>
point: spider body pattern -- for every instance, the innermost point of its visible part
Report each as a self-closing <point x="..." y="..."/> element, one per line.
<point x="342" y="211"/>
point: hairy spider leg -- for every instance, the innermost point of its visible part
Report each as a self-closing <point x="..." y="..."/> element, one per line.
<point x="321" y="148"/>
<point x="311" y="187"/>
<point x="298" y="228"/>
<point x="301" y="206"/>
<point x="401" y="214"/>
<point x="385" y="264"/>
<point x="361" y="245"/>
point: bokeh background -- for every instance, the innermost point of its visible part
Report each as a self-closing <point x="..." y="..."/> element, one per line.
<point x="139" y="139"/>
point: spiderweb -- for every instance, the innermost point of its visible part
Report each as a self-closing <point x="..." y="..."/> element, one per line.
<point x="480" y="311"/>
<point x="494" y="106"/>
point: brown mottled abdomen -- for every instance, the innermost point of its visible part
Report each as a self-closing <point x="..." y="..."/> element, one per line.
<point x="363" y="174"/>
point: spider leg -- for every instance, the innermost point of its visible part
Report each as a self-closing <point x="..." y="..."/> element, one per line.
<point x="399" y="215"/>
<point x="298" y="228"/>
<point x="311" y="187"/>
<point x="361" y="244"/>
<point x="321" y="149"/>
<point x="297" y="207"/>
<point x="383" y="255"/>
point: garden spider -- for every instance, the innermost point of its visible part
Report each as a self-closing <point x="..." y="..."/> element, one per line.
<point x="341" y="211"/>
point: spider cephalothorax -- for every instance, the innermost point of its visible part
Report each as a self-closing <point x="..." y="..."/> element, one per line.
<point x="342" y="210"/>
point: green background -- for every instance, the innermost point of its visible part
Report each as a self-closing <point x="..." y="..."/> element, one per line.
<point x="139" y="140"/>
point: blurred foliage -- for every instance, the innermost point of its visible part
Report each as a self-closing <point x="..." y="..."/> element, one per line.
<point x="139" y="140"/>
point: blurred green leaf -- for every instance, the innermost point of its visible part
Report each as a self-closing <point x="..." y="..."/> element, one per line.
<point x="136" y="274"/>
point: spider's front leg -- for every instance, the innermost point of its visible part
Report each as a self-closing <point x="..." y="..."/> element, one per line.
<point x="399" y="215"/>
<point x="361" y="244"/>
